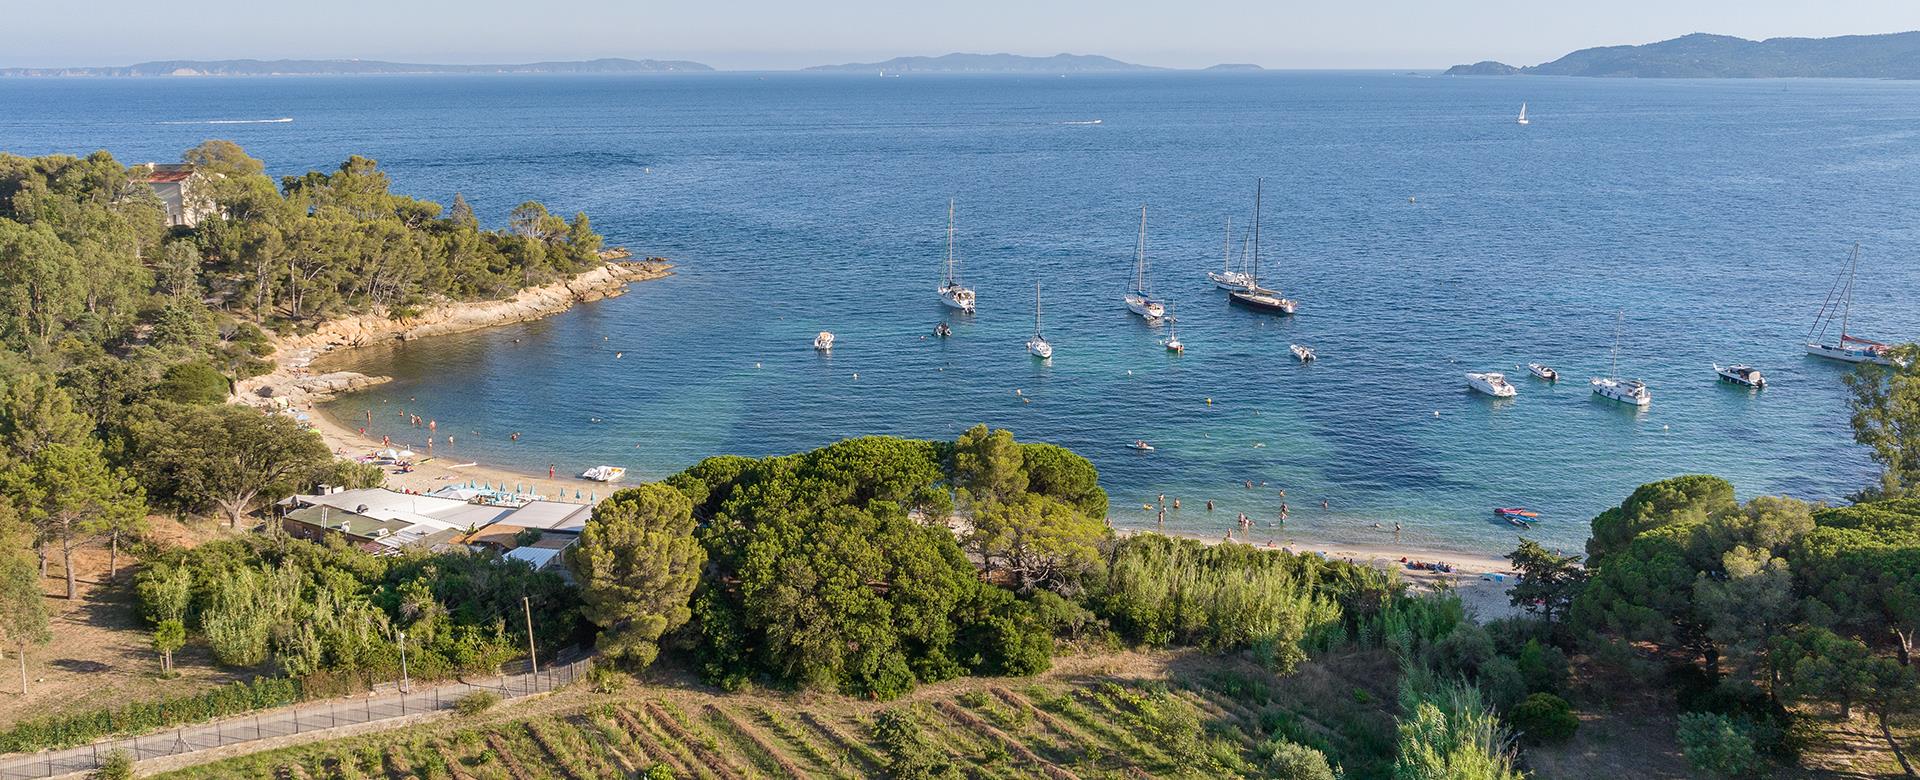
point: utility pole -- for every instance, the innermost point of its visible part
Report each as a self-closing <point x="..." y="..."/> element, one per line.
<point x="533" y="659"/>
<point x="405" y="683"/>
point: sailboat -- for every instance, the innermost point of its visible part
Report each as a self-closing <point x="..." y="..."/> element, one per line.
<point x="1037" y="346"/>
<point x="1138" y="301"/>
<point x="1253" y="296"/>
<point x="1523" y="113"/>
<point x="952" y="292"/>
<point x="1172" y="342"/>
<point x="1839" y="303"/>
<point x="1626" y="391"/>
<point x="1226" y="278"/>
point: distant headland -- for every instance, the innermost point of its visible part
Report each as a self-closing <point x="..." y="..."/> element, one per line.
<point x="1890" y="56"/>
<point x="353" y="67"/>
<point x="960" y="62"/>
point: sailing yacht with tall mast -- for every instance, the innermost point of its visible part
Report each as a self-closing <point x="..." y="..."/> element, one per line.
<point x="954" y="294"/>
<point x="1839" y="305"/>
<point x="1253" y="296"/>
<point x="1138" y="299"/>
<point x="1226" y="278"/>
<point x="1612" y="387"/>
<point x="1038" y="345"/>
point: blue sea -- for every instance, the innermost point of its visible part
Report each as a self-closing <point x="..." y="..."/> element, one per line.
<point x="1424" y="232"/>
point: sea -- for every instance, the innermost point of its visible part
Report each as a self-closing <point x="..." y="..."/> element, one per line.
<point x="1424" y="232"/>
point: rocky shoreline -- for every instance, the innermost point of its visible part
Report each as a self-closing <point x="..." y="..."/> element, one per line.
<point x="293" y="355"/>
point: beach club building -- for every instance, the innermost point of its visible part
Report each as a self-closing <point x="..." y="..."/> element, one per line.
<point x="387" y="522"/>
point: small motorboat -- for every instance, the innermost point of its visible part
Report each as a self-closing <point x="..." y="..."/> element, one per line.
<point x="1518" y="523"/>
<point x="1541" y="371"/>
<point x="1516" y="511"/>
<point x="1303" y="354"/>
<point x="824" y="341"/>
<point x="1742" y="375"/>
<point x="942" y="330"/>
<point x="604" y="473"/>
<point x="1140" y="445"/>
<point x="1492" y="383"/>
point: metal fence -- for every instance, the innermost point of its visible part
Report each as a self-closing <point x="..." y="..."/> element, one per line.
<point x="298" y="719"/>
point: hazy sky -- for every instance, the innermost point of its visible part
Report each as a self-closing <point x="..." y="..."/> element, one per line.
<point x="774" y="34"/>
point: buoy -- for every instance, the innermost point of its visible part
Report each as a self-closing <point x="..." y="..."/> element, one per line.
<point x="1436" y="412"/>
<point x="618" y="355"/>
<point x="1129" y="372"/>
<point x="756" y="365"/>
<point x="1025" y="400"/>
<point x="1209" y="401"/>
<point x="1409" y="198"/>
<point x="1016" y="391"/>
<point x="856" y="375"/>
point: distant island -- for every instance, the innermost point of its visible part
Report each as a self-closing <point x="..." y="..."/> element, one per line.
<point x="352" y="68"/>
<point x="990" y="63"/>
<point x="1890" y="56"/>
<point x="1235" y="66"/>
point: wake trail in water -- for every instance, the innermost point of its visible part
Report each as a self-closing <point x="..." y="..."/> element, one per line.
<point x="278" y="121"/>
<point x="1084" y="122"/>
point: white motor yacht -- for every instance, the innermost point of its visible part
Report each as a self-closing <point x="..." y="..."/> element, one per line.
<point x="1492" y="383"/>
<point x="1542" y="371"/>
<point x="824" y="341"/>
<point x="1303" y="354"/>
<point x="1742" y="375"/>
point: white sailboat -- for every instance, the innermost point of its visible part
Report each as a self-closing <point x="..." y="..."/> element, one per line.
<point x="1612" y="387"/>
<point x="1523" y="113"/>
<point x="1253" y="296"/>
<point x="952" y="293"/>
<point x="1839" y="304"/>
<point x="1138" y="300"/>
<point x="1226" y="278"/>
<point x="1492" y="383"/>
<point x="1038" y="345"/>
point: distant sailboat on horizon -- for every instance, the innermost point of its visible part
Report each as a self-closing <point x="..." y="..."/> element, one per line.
<point x="1523" y="114"/>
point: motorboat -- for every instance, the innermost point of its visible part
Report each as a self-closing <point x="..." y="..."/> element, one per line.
<point x="824" y="341"/>
<point x="1303" y="354"/>
<point x="1037" y="345"/>
<point x="1492" y="383"/>
<point x="1839" y="305"/>
<point x="1541" y="371"/>
<point x="1139" y="301"/>
<point x="1140" y="445"/>
<point x="1626" y="391"/>
<point x="1612" y="387"/>
<point x="1742" y="375"/>
<point x="942" y="330"/>
<point x="952" y="293"/>
<point x="1517" y="522"/>
<point x="1516" y="511"/>
<point x="604" y="473"/>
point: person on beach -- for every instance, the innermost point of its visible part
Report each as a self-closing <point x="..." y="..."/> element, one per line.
<point x="449" y="439"/>
<point x="549" y="471"/>
<point x="1396" y="533"/>
<point x="1323" y="503"/>
<point x="433" y="425"/>
<point x="1209" y="504"/>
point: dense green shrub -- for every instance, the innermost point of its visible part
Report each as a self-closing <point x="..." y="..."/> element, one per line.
<point x="1712" y="744"/>
<point x="117" y="766"/>
<point x="1544" y="718"/>
<point x="1287" y="760"/>
<point x="1166" y="591"/>
<point x="476" y="702"/>
<point x="61" y="731"/>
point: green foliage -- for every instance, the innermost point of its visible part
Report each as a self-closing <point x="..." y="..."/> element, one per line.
<point x="1886" y="420"/>
<point x="638" y="563"/>
<point x="1712" y="744"/>
<point x="192" y="383"/>
<point x="1041" y="542"/>
<point x="1164" y="591"/>
<point x="1681" y="500"/>
<point x="117" y="766"/>
<point x="1283" y="759"/>
<point x="330" y="615"/>
<point x="476" y="702"/>
<point x="62" y="731"/>
<point x="988" y="465"/>
<point x="820" y="576"/>
<point x="1544" y="582"/>
<point x="1446" y="732"/>
<point x="910" y="755"/>
<point x="23" y="611"/>
<point x="1063" y="474"/>
<point x="354" y="475"/>
<point x="228" y="458"/>
<point x="1544" y="718"/>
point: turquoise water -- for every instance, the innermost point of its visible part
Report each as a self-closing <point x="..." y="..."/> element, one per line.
<point x="1425" y="233"/>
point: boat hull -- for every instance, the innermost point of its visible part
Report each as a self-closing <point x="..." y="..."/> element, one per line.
<point x="1263" y="303"/>
<point x="1491" y="384"/>
<point x="1849" y="354"/>
<point x="1040" y="349"/>
<point x="1147" y="308"/>
<point x="1231" y="281"/>
<point x="1622" y="392"/>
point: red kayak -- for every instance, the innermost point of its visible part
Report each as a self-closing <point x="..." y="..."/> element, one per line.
<point x="1515" y="511"/>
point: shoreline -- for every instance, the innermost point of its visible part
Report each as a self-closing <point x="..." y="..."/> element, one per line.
<point x="291" y="385"/>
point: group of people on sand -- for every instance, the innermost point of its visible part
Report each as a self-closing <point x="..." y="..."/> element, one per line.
<point x="1443" y="568"/>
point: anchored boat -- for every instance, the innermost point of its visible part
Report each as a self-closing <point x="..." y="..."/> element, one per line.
<point x="1253" y="296"/>
<point x="1492" y="383"/>
<point x="1541" y="371"/>
<point x="1839" y="304"/>
<point x="1303" y="354"/>
<point x="1226" y="278"/>
<point x="1742" y="375"/>
<point x="1138" y="300"/>
<point x="1612" y="387"/>
<point x="824" y="341"/>
<point x="952" y="293"/>
<point x="1037" y="345"/>
<point x="604" y="473"/>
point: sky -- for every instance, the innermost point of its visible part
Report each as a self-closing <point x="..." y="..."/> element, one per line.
<point x="782" y="34"/>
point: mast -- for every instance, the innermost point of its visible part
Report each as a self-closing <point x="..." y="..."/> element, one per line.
<point x="949" y="241"/>
<point x="1226" y="248"/>
<point x="1846" y="306"/>
<point x="1140" y="256"/>
<point x="1036" y="308"/>
<point x="1253" y="265"/>
<point x="1613" y="368"/>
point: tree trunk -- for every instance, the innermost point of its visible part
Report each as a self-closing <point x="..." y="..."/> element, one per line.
<point x="66" y="560"/>
<point x="1712" y="654"/>
<point x="1894" y="743"/>
<point x="1904" y="647"/>
<point x="113" y="556"/>
<point x="23" y="668"/>
<point x="41" y="550"/>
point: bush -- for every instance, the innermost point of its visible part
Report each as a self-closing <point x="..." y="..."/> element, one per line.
<point x="1713" y="745"/>
<point x="1503" y="684"/>
<point x="118" y="766"/>
<point x="476" y="702"/>
<point x="1287" y="760"/>
<point x="1544" y="667"/>
<point x="62" y="731"/>
<point x="1544" y="718"/>
<point x="193" y="383"/>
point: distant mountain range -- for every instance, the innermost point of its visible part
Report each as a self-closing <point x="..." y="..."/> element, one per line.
<point x="355" y="67"/>
<point x="1891" y="56"/>
<point x="990" y="63"/>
